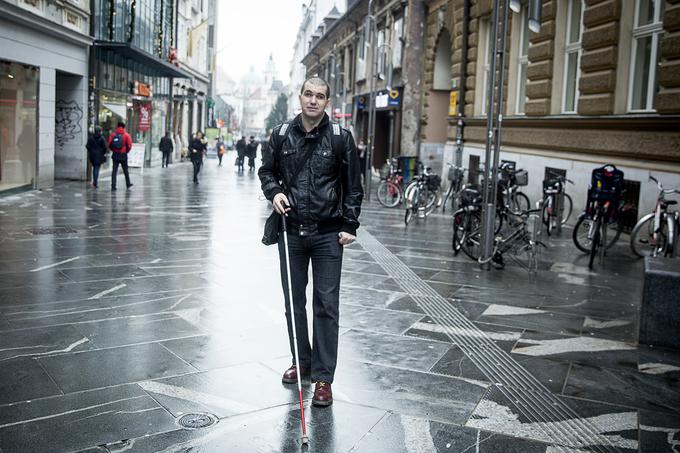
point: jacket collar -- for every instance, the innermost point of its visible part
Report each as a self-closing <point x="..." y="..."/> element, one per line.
<point x="325" y="121"/>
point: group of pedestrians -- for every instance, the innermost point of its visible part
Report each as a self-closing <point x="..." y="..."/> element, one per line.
<point x="248" y="150"/>
<point x="120" y="145"/>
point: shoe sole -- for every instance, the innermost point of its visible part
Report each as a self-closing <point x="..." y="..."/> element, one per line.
<point x="322" y="403"/>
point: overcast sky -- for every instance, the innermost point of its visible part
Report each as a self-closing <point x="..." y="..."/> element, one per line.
<point x="249" y="30"/>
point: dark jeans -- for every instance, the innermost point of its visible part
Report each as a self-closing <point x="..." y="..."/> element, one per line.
<point x="325" y="252"/>
<point x="219" y="156"/>
<point x="166" y="159"/>
<point x="95" y="175"/>
<point x="114" y="172"/>
<point x="197" y="168"/>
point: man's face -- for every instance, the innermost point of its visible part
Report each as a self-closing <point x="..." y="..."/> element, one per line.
<point x="313" y="101"/>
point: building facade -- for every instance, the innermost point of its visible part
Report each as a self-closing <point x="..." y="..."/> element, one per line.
<point x="44" y="55"/>
<point x="599" y="83"/>
<point x="348" y="55"/>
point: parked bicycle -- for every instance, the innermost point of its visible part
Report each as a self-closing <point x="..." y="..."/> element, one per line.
<point x="467" y="223"/>
<point x="598" y="228"/>
<point x="521" y="243"/>
<point x="556" y="202"/>
<point x="455" y="177"/>
<point x="390" y="190"/>
<point x="422" y="195"/>
<point x="509" y="198"/>
<point x="656" y="234"/>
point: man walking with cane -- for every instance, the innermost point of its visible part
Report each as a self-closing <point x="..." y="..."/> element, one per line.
<point x="310" y="173"/>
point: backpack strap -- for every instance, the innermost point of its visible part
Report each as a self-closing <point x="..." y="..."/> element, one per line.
<point x="336" y="140"/>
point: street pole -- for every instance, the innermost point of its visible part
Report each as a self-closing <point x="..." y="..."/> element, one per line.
<point x="370" y="24"/>
<point x="492" y="117"/>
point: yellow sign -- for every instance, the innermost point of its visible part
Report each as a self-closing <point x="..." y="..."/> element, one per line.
<point x="453" y="103"/>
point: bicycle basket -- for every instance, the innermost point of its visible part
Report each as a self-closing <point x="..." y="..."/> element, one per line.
<point x="522" y="178"/>
<point x="434" y="182"/>
<point x="552" y="186"/>
<point x="455" y="173"/>
<point x="385" y="172"/>
<point x="470" y="196"/>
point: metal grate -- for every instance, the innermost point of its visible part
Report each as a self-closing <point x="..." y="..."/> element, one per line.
<point x="630" y="203"/>
<point x="53" y="230"/>
<point x="197" y="420"/>
<point x="473" y="170"/>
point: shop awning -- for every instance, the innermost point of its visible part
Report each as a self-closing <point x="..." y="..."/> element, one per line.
<point x="152" y="65"/>
<point x="118" y="109"/>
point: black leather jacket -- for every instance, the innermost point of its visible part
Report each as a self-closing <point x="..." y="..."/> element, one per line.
<point x="326" y="195"/>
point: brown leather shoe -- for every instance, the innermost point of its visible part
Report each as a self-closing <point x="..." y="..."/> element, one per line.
<point x="290" y="375"/>
<point x="323" y="395"/>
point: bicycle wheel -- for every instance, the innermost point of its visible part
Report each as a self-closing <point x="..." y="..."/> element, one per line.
<point x="471" y="240"/>
<point x="388" y="194"/>
<point x="581" y="234"/>
<point x="568" y="207"/>
<point x="458" y="230"/>
<point x="449" y="194"/>
<point x="431" y="204"/>
<point x="520" y="202"/>
<point x="596" y="239"/>
<point x="527" y="257"/>
<point x="547" y="214"/>
<point x="642" y="242"/>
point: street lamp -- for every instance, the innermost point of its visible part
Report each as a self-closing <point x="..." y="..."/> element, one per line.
<point x="495" y="115"/>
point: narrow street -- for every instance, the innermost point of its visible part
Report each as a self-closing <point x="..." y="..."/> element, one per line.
<point x="122" y="312"/>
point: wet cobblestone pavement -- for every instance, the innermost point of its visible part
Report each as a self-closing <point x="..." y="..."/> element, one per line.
<point x="121" y="312"/>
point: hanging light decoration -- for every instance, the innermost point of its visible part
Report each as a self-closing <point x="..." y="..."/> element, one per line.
<point x="133" y="14"/>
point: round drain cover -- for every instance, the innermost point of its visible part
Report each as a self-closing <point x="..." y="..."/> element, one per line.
<point x="196" y="421"/>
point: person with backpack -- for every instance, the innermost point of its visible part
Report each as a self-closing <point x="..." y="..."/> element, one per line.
<point x="96" y="153"/>
<point x="220" y="147"/>
<point x="166" y="147"/>
<point x="120" y="144"/>
<point x="197" y="149"/>
<point x="310" y="173"/>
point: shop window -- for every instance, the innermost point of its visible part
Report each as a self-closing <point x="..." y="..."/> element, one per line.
<point x="18" y="124"/>
<point x="572" y="56"/>
<point x="522" y="64"/>
<point x="488" y="56"/>
<point x="397" y="42"/>
<point x="647" y="30"/>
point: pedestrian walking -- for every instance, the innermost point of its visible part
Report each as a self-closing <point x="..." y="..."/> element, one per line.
<point x="220" y="150"/>
<point x="240" y="152"/>
<point x="361" y="149"/>
<point x="197" y="149"/>
<point x="166" y="147"/>
<point x="120" y="144"/>
<point x="310" y="173"/>
<point x="251" y="152"/>
<point x="96" y="153"/>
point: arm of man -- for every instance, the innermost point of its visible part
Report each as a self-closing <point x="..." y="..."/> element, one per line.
<point x="128" y="142"/>
<point x="353" y="193"/>
<point x="269" y="175"/>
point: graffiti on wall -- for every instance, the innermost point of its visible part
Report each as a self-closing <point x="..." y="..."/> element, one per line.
<point x="69" y="116"/>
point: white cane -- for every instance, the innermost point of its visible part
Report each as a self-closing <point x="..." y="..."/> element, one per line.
<point x="305" y="439"/>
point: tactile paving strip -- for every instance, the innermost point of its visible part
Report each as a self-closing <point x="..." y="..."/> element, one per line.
<point x="535" y="402"/>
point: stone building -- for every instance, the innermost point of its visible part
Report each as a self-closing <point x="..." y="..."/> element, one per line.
<point x="44" y="57"/>
<point x="600" y="83"/>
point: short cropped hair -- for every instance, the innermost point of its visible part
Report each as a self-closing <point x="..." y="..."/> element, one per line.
<point x="121" y="124"/>
<point x="318" y="81"/>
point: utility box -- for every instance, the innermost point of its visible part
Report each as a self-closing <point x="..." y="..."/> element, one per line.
<point x="660" y="310"/>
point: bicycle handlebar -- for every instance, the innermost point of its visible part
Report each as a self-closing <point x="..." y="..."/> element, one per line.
<point x="660" y="186"/>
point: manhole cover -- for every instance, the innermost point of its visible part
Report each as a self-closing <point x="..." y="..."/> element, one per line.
<point x="196" y="421"/>
<point x="56" y="230"/>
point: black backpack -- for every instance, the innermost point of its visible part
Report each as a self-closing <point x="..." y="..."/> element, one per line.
<point x="118" y="142"/>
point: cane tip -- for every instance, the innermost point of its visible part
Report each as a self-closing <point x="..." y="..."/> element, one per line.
<point x="305" y="440"/>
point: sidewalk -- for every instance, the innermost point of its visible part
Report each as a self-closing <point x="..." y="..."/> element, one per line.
<point x="122" y="312"/>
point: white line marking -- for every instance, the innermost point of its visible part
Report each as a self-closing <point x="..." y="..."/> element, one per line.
<point x="55" y="264"/>
<point x="104" y="293"/>
<point x="186" y="394"/>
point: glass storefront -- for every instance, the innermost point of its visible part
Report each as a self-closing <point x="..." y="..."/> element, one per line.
<point x="18" y="124"/>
